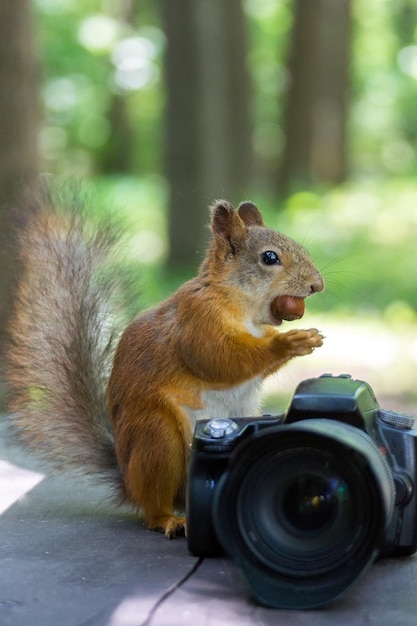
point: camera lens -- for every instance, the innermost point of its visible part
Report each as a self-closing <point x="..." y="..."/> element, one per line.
<point x="297" y="511"/>
<point x="303" y="509"/>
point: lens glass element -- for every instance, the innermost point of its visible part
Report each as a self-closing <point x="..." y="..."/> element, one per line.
<point x="312" y="502"/>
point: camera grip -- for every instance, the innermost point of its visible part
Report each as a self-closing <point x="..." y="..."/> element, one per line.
<point x="204" y="473"/>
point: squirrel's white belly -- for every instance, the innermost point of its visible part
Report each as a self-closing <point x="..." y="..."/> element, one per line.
<point x="239" y="401"/>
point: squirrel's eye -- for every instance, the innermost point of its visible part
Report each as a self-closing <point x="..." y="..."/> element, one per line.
<point x="270" y="258"/>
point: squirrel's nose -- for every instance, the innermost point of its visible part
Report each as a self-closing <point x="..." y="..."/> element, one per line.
<point x="317" y="285"/>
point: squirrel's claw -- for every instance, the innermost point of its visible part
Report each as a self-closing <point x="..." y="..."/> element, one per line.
<point x="171" y="526"/>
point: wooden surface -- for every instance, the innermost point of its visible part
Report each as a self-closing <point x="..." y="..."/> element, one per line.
<point x="69" y="558"/>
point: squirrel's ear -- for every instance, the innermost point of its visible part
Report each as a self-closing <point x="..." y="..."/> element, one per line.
<point x="227" y="225"/>
<point x="250" y="214"/>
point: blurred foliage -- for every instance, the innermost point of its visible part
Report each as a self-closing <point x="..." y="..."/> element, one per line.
<point x="90" y="54"/>
<point x="88" y="57"/>
<point x="361" y="235"/>
<point x="384" y="68"/>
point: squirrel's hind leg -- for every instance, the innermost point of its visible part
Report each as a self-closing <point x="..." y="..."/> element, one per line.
<point x="155" y="468"/>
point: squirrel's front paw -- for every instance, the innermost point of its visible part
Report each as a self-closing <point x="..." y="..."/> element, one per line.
<point x="302" y="342"/>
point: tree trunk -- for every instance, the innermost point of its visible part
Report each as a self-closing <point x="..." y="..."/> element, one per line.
<point x="316" y="108"/>
<point x="18" y="132"/>
<point x="208" y="134"/>
<point x="117" y="156"/>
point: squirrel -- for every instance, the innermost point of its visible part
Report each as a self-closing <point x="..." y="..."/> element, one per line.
<point x="127" y="413"/>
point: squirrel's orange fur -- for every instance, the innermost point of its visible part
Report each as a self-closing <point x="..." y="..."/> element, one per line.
<point x="202" y="352"/>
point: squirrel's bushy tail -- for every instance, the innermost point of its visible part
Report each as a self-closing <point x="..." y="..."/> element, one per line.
<point x="61" y="344"/>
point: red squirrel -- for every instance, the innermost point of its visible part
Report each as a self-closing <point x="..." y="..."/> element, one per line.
<point x="202" y="352"/>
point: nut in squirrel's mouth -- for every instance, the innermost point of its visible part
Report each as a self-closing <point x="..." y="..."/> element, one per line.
<point x="287" y="308"/>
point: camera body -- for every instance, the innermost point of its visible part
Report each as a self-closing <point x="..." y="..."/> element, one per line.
<point x="305" y="501"/>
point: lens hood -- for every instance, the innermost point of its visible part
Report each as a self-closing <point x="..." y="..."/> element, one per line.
<point x="302" y="509"/>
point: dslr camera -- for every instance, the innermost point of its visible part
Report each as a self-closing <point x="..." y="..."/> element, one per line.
<point x="305" y="501"/>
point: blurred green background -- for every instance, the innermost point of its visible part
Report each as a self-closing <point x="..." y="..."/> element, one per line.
<point x="307" y="107"/>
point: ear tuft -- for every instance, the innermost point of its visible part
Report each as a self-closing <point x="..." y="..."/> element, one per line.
<point x="250" y="214"/>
